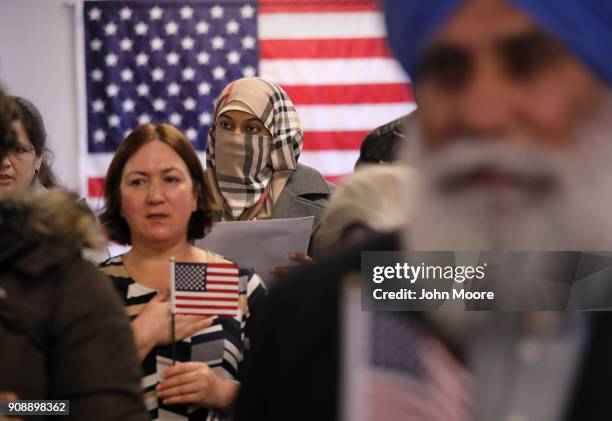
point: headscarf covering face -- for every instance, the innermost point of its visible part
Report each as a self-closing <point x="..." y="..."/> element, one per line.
<point x="244" y="165"/>
<point x="583" y="26"/>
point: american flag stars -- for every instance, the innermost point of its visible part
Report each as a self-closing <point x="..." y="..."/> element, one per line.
<point x="202" y="28"/>
<point x="94" y="14"/>
<point x="128" y="106"/>
<point x="171" y="28"/>
<point x="216" y="12"/>
<point x="186" y="12"/>
<point x="98" y="106"/>
<point x="149" y="62"/>
<point x="125" y="13"/>
<point x="95" y="44"/>
<point x="141" y="28"/>
<point x="156" y="13"/>
<point x="247" y="11"/>
<point x="142" y="59"/>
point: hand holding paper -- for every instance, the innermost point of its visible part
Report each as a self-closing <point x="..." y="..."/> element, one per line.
<point x="261" y="244"/>
<point x="300" y="258"/>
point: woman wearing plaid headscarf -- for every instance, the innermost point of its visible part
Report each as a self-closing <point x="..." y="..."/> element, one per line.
<point x="253" y="148"/>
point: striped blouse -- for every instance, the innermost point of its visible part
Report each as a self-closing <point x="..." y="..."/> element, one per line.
<point x="220" y="346"/>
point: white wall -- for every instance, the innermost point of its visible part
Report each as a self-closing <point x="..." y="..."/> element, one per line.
<point x="37" y="56"/>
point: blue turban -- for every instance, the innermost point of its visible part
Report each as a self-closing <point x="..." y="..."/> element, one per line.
<point x="583" y="26"/>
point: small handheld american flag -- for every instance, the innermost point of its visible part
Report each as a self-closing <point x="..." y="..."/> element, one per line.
<point x="207" y="289"/>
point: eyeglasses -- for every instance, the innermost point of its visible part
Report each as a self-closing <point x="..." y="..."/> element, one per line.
<point x="20" y="151"/>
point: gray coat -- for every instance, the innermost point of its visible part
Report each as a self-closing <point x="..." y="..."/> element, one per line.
<point x="305" y="194"/>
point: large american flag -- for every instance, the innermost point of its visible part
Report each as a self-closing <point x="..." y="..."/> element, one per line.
<point x="209" y="289"/>
<point x="165" y="61"/>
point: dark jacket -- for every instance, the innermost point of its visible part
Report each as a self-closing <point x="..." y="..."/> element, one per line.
<point x="293" y="369"/>
<point x="382" y="145"/>
<point x="63" y="331"/>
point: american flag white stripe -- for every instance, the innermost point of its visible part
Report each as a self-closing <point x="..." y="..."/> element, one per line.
<point x="219" y="302"/>
<point x="222" y="270"/>
<point x="333" y="71"/>
<point x="348" y="117"/>
<point x="210" y="312"/>
<point x="315" y="25"/>
<point x="214" y="304"/>
<point x="332" y="162"/>
<point x="225" y="279"/>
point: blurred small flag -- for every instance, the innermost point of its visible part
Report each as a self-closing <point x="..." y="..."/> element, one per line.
<point x="209" y="289"/>
<point x="394" y="368"/>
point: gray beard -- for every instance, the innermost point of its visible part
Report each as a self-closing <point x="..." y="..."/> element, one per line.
<point x="564" y="203"/>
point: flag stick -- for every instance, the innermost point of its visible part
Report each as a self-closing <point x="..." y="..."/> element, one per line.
<point x="173" y="342"/>
<point x="172" y="309"/>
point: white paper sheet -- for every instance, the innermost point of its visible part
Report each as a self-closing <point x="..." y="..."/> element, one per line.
<point x="260" y="244"/>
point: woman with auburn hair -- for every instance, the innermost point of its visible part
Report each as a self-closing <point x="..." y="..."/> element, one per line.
<point x="156" y="202"/>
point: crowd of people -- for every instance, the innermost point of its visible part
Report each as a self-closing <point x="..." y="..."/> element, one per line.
<point x="509" y="150"/>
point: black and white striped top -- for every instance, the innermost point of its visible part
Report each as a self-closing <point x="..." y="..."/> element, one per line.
<point x="220" y="346"/>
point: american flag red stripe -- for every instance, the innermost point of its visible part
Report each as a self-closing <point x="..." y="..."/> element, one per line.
<point x="338" y="140"/>
<point x="95" y="187"/>
<point x="293" y="6"/>
<point x="209" y="306"/>
<point x="204" y="299"/>
<point x="206" y="289"/>
<point x="324" y="48"/>
<point x="349" y="94"/>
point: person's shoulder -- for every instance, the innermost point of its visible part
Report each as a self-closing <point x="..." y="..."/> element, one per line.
<point x="114" y="270"/>
<point x="307" y="180"/>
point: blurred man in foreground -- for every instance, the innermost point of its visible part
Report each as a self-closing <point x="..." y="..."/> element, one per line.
<point x="514" y="100"/>
<point x="516" y="112"/>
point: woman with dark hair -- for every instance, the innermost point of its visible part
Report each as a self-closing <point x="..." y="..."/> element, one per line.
<point x="252" y="159"/>
<point x="27" y="163"/>
<point x="156" y="202"/>
<point x="252" y="167"/>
